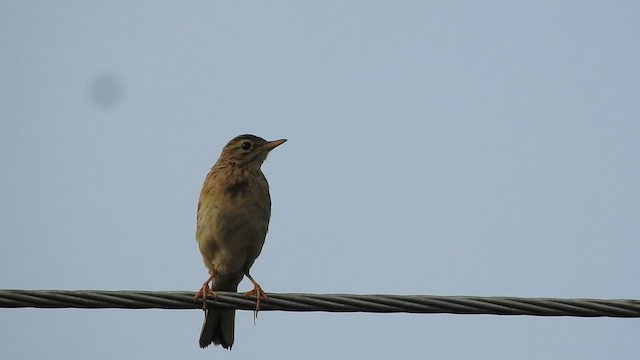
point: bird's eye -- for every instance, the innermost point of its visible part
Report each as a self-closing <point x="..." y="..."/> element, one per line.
<point x="246" y="146"/>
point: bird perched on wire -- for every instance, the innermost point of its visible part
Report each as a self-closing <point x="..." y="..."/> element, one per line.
<point x="233" y="218"/>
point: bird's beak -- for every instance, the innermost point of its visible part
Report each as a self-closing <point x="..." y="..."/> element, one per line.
<point x="273" y="144"/>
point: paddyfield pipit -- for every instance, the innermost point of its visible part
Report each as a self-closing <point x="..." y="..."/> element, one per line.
<point x="233" y="218"/>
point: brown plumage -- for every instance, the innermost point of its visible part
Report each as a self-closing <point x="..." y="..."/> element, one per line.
<point x="233" y="219"/>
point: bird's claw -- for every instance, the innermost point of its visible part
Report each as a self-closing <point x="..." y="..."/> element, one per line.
<point x="260" y="296"/>
<point x="205" y="291"/>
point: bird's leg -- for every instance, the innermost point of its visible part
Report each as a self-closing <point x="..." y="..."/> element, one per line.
<point x="258" y="293"/>
<point x="206" y="290"/>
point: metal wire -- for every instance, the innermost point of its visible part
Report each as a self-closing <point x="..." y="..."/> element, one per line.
<point x="181" y="300"/>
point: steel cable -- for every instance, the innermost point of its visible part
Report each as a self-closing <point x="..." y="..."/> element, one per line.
<point x="427" y="304"/>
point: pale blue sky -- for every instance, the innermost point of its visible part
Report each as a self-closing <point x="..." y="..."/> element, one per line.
<point x="446" y="148"/>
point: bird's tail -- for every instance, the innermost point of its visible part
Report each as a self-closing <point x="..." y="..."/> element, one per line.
<point x="218" y="327"/>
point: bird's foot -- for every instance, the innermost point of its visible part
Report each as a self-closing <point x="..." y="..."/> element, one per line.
<point x="204" y="291"/>
<point x="260" y="296"/>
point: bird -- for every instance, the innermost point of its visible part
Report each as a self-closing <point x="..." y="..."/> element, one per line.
<point x="233" y="216"/>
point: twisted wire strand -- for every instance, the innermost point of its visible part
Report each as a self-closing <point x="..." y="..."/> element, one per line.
<point x="426" y="304"/>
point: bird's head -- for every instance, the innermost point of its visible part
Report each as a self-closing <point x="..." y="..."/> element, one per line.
<point x="248" y="150"/>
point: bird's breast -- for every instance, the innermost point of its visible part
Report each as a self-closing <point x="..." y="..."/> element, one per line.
<point x="233" y="219"/>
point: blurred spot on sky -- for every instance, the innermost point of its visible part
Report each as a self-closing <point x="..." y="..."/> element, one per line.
<point x="106" y="90"/>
